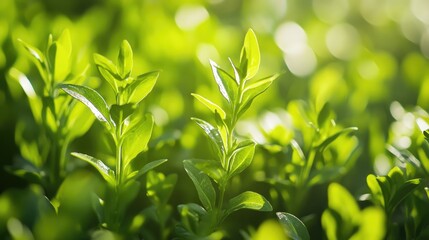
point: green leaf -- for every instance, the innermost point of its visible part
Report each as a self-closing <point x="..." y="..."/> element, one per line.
<point x="160" y="187"/>
<point x="326" y="174"/>
<point x="59" y="56"/>
<point x="108" y="70"/>
<point x="293" y="226"/>
<point x="372" y="225"/>
<point x="248" y="200"/>
<point x="146" y="168"/>
<point x="92" y="99"/>
<point x="210" y="167"/>
<point x="141" y="86"/>
<point x="242" y="157"/>
<point x="331" y="224"/>
<point x="227" y="85"/>
<point x="254" y="90"/>
<point x="213" y="133"/>
<point x="79" y="120"/>
<point x="125" y="60"/>
<point x="323" y="115"/>
<point x="210" y="105"/>
<point x="334" y="136"/>
<point x="250" y="57"/>
<point x="342" y="202"/>
<point x="403" y="192"/>
<point x="137" y="137"/>
<point x="38" y="58"/>
<point x="121" y="112"/>
<point x="107" y="173"/>
<point x="205" y="190"/>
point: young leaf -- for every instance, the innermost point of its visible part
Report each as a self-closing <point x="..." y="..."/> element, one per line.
<point x="250" y="57"/>
<point x="323" y="115"/>
<point x="38" y="58"/>
<point x="141" y="86"/>
<point x="121" y="112"/>
<point x="59" y="56"/>
<point x="210" y="105"/>
<point x="213" y="133"/>
<point x="137" y="137"/>
<point x="254" y="90"/>
<point x="248" y="200"/>
<point x="146" y="168"/>
<point x="334" y="136"/>
<point x="202" y="183"/>
<point x="107" y="173"/>
<point x="402" y="192"/>
<point x="92" y="99"/>
<point x="242" y="157"/>
<point x="212" y="168"/>
<point x="107" y="69"/>
<point x="227" y="85"/>
<point x="293" y="226"/>
<point x="125" y="60"/>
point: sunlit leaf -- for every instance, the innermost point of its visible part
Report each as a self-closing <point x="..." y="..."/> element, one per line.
<point x="92" y="99"/>
<point x="38" y="58"/>
<point x="212" y="168"/>
<point x="107" y="173"/>
<point x="293" y="226"/>
<point x="248" y="200"/>
<point x="403" y="192"/>
<point x="250" y="57"/>
<point x="125" y="60"/>
<point x="120" y="112"/>
<point x="210" y="105"/>
<point x="242" y="157"/>
<point x="227" y="85"/>
<point x="334" y="136"/>
<point x="146" y="168"/>
<point x="141" y="86"/>
<point x="213" y="133"/>
<point x="205" y="190"/>
<point x="59" y="56"/>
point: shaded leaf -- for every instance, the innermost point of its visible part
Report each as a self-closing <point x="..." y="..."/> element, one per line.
<point x="326" y="174"/>
<point x="146" y="168"/>
<point x="323" y="115"/>
<point x="248" y="200"/>
<point x="213" y="133"/>
<point x="92" y="99"/>
<point x="334" y="136"/>
<point x="210" y="167"/>
<point x="254" y="90"/>
<point x="205" y="190"/>
<point x="119" y="113"/>
<point x="38" y="58"/>
<point x="160" y="187"/>
<point x="403" y="192"/>
<point x="107" y="173"/>
<point x="293" y="226"/>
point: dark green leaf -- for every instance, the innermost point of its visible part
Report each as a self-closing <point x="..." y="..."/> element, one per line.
<point x="248" y="200"/>
<point x="119" y="113"/>
<point x="202" y="183"/>
<point x="107" y="173"/>
<point x="92" y="99"/>
<point x="250" y="57"/>
<point x="125" y="60"/>
<point x="141" y="86"/>
<point x="404" y="191"/>
<point x="227" y="85"/>
<point x="242" y="157"/>
<point x="160" y="187"/>
<point x="326" y="174"/>
<point x="293" y="226"/>
<point x="323" y="115"/>
<point x="210" y="105"/>
<point x="213" y="133"/>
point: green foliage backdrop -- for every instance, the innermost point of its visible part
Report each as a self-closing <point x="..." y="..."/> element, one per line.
<point x="344" y="119"/>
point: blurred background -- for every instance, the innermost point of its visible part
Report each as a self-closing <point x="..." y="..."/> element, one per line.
<point x="359" y="55"/>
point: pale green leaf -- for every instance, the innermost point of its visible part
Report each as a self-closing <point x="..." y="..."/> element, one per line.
<point x="293" y="226"/>
<point x="107" y="69"/>
<point x="141" y="86"/>
<point x="212" y="168"/>
<point x="373" y="225"/>
<point x="146" y="168"/>
<point x="342" y="202"/>
<point x="227" y="85"/>
<point x="107" y="173"/>
<point x="38" y="58"/>
<point x="250" y="57"/>
<point x="213" y="133"/>
<point x="205" y="190"/>
<point x="125" y="60"/>
<point x="60" y="56"/>
<point x="210" y="105"/>
<point x="253" y="90"/>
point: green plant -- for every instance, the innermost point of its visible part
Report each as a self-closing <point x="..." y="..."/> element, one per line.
<point x="129" y="129"/>
<point x="344" y="220"/>
<point x="44" y="140"/>
<point x="233" y="155"/>
<point x="302" y="147"/>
